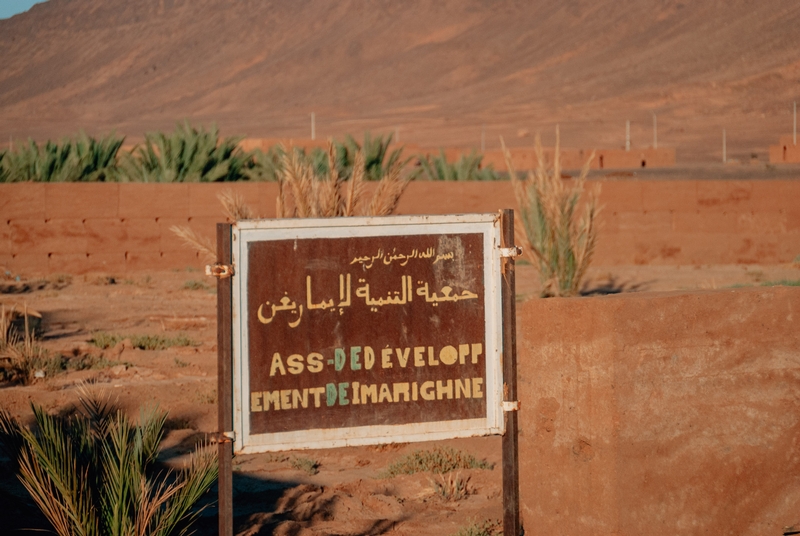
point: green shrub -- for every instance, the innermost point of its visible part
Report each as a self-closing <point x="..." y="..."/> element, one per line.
<point x="144" y="342"/>
<point x="187" y="155"/>
<point x="484" y="528"/>
<point x="559" y="235"/>
<point x="84" y="159"/>
<point x="466" y="168"/>
<point x="782" y="283"/>
<point x="194" y="284"/>
<point x="452" y="488"/>
<point x="438" y="460"/>
<point x="93" y="473"/>
<point x="306" y="465"/>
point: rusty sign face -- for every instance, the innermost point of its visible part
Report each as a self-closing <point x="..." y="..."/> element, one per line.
<point x="353" y="331"/>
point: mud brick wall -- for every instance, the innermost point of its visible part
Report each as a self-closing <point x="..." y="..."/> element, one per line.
<point x="120" y="228"/>
<point x="111" y="228"/>
<point x="699" y="222"/>
<point x="660" y="413"/>
<point x="680" y="222"/>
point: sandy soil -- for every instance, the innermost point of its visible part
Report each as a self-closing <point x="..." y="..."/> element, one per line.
<point x="346" y="496"/>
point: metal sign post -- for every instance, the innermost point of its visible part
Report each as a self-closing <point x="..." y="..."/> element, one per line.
<point x="223" y="271"/>
<point x="511" y="522"/>
<point x="360" y="331"/>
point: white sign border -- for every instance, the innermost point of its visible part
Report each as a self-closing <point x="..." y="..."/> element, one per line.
<point x="287" y="229"/>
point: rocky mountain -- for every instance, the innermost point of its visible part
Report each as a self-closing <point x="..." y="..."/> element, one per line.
<point x="438" y="72"/>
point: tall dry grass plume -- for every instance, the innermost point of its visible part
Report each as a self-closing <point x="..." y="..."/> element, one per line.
<point x="21" y="356"/>
<point x="234" y="208"/>
<point x="304" y="193"/>
<point x="559" y="229"/>
<point x="201" y="244"/>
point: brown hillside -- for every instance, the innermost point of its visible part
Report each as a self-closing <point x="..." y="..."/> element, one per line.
<point x="438" y="70"/>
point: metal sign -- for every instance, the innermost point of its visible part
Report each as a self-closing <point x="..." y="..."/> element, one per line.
<point x="355" y="331"/>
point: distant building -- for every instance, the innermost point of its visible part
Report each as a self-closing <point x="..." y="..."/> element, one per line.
<point x="786" y="152"/>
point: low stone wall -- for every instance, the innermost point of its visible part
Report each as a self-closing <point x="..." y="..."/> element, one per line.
<point x="118" y="228"/>
<point x="660" y="413"/>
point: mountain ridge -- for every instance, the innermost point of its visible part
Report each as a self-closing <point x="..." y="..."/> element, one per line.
<point x="439" y="72"/>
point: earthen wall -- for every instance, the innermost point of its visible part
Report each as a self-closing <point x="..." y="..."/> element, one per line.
<point x="660" y="413"/>
<point x="786" y="152"/>
<point x="79" y="228"/>
<point x="574" y="159"/>
<point x="522" y="158"/>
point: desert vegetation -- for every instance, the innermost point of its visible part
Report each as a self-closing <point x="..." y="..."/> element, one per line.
<point x="558" y="231"/>
<point x="439" y="460"/>
<point x="480" y="528"/>
<point x="197" y="154"/>
<point x="466" y="168"/>
<point x="378" y="160"/>
<point x="94" y="471"/>
<point x="143" y="342"/>
<point x="187" y="155"/>
<point x="308" y="190"/>
<point x="21" y="356"/>
<point x="305" y="193"/>
<point x="25" y="360"/>
<point x="82" y="159"/>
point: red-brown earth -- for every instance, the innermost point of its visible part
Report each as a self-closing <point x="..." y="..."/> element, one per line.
<point x="347" y="496"/>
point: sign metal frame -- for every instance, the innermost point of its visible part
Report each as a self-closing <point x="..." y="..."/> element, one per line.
<point x="488" y="226"/>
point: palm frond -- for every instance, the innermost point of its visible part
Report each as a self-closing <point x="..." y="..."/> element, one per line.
<point x="94" y="480"/>
<point x="466" y="168"/>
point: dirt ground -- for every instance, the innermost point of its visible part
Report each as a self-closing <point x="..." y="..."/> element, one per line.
<point x="346" y="495"/>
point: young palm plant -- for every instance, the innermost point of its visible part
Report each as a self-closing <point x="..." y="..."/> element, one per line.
<point x="82" y="159"/>
<point x="187" y="155"/>
<point x="560" y="233"/>
<point x="93" y="473"/>
<point x="97" y="158"/>
<point x="377" y="160"/>
<point x="466" y="168"/>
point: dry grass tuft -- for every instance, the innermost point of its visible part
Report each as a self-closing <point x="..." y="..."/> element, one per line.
<point x="452" y="488"/>
<point x="483" y="528"/>
<point x="304" y="193"/>
<point x="558" y="231"/>
<point x="199" y="243"/>
<point x="439" y="460"/>
<point x="234" y="207"/>
<point x="22" y="359"/>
